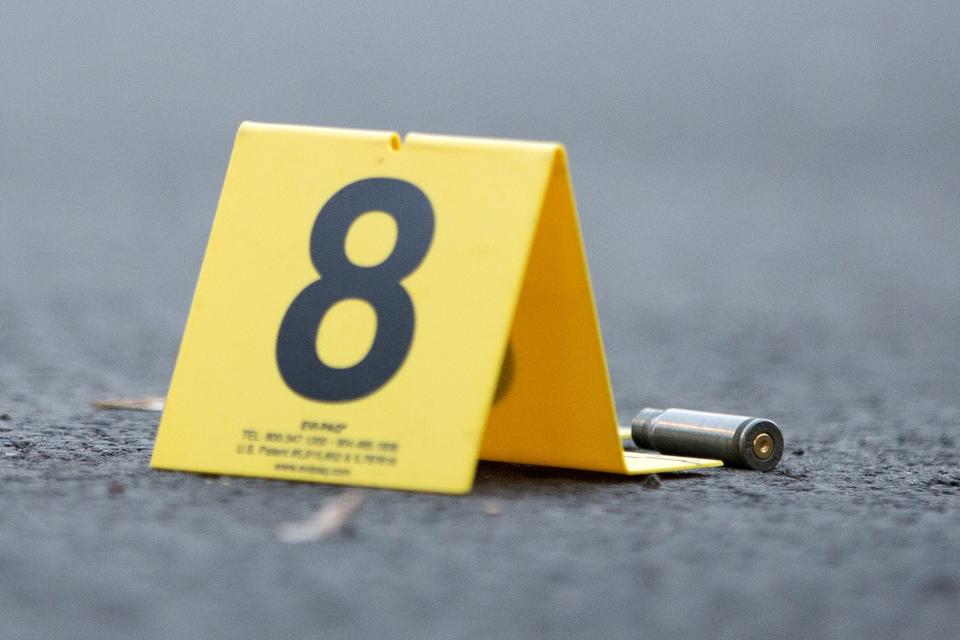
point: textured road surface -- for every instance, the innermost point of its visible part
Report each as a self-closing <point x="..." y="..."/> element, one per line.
<point x="856" y="534"/>
<point x="769" y="196"/>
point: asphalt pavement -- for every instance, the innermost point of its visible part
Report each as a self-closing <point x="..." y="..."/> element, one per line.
<point x="855" y="534"/>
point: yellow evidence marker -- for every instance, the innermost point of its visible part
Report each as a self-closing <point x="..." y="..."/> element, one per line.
<point x="384" y="313"/>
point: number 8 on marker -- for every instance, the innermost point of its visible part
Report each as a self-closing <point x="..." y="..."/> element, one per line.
<point x="300" y="366"/>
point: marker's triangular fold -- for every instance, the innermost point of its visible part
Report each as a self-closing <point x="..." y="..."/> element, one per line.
<point x="556" y="407"/>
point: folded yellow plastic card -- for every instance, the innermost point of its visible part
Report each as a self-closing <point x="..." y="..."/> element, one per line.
<point x="379" y="312"/>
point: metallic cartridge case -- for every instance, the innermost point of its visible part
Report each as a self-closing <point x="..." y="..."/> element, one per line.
<point x="740" y="441"/>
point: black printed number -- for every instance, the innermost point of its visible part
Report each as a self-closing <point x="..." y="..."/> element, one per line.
<point x="340" y="279"/>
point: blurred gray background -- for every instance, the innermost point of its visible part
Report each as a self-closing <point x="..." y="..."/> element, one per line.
<point x="769" y="196"/>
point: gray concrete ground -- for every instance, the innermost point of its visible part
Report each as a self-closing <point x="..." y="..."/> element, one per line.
<point x="769" y="198"/>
